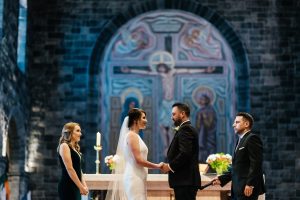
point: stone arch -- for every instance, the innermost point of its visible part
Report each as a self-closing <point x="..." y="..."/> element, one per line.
<point x="16" y="153"/>
<point x="239" y="52"/>
<point x="112" y="26"/>
<point x="240" y="55"/>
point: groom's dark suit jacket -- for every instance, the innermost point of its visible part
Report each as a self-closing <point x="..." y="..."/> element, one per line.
<point x="183" y="157"/>
<point x="246" y="167"/>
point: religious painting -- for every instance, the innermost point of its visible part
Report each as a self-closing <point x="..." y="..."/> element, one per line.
<point x="159" y="58"/>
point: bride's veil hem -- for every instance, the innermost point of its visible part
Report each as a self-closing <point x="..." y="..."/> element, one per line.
<point x="115" y="190"/>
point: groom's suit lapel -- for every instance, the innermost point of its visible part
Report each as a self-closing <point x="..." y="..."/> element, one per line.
<point x="170" y="147"/>
<point x="177" y="134"/>
<point x="241" y="144"/>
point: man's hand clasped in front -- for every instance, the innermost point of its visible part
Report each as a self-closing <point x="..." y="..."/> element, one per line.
<point x="216" y="181"/>
<point x="247" y="191"/>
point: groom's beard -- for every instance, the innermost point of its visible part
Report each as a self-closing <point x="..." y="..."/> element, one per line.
<point x="177" y="122"/>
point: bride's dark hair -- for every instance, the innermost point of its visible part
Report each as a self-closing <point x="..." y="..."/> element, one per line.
<point x="134" y="115"/>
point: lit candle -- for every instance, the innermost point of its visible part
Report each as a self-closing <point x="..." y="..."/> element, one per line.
<point x="98" y="139"/>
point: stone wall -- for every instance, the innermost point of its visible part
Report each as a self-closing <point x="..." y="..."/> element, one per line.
<point x="14" y="104"/>
<point x="61" y="38"/>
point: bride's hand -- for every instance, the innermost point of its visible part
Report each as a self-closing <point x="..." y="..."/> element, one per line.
<point x="160" y="165"/>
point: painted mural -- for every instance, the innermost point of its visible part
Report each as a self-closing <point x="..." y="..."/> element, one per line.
<point x="162" y="57"/>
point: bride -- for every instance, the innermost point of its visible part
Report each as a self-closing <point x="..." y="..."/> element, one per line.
<point x="131" y="166"/>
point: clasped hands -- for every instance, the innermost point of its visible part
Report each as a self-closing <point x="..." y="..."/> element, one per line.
<point x="84" y="190"/>
<point x="164" y="167"/>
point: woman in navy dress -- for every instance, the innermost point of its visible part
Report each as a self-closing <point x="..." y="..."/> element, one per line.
<point x="71" y="185"/>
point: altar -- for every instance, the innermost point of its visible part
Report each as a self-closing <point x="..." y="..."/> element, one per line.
<point x="158" y="187"/>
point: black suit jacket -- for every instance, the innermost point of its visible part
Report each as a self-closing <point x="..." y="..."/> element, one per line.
<point x="183" y="157"/>
<point x="246" y="167"/>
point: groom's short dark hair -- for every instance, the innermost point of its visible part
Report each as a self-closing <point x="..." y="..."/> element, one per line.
<point x="182" y="107"/>
<point x="247" y="117"/>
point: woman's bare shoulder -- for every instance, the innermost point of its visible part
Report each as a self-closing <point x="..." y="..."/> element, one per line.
<point x="64" y="147"/>
<point x="132" y="136"/>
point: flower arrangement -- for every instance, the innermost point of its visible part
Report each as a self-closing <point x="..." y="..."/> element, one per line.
<point x="219" y="162"/>
<point x="110" y="161"/>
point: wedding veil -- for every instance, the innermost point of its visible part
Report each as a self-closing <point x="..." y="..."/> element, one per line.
<point x="115" y="190"/>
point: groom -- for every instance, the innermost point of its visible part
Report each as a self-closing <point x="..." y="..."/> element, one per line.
<point x="183" y="170"/>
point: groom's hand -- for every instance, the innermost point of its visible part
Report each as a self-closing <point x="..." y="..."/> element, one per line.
<point x="216" y="181"/>
<point x="160" y="165"/>
<point x="165" y="168"/>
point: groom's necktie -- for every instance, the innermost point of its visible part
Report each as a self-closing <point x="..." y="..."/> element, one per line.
<point x="238" y="143"/>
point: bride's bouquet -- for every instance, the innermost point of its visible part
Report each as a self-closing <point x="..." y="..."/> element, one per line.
<point x="111" y="161"/>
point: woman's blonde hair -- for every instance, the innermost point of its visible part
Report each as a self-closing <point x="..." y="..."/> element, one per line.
<point x="66" y="135"/>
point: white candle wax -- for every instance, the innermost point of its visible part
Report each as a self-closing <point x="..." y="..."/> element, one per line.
<point x="98" y="139"/>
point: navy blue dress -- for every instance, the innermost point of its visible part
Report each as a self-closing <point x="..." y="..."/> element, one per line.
<point x="67" y="189"/>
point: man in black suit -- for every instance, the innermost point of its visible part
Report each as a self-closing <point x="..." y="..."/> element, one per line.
<point x="246" y="173"/>
<point x="183" y="168"/>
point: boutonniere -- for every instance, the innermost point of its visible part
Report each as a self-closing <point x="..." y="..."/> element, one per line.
<point x="176" y="128"/>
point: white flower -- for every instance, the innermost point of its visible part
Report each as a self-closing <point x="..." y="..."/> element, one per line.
<point x="211" y="158"/>
<point x="115" y="158"/>
<point x="107" y="158"/>
<point x="110" y="161"/>
<point x="228" y="156"/>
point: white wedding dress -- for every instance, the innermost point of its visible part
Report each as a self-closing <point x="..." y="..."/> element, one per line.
<point x="134" y="180"/>
<point x="129" y="182"/>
